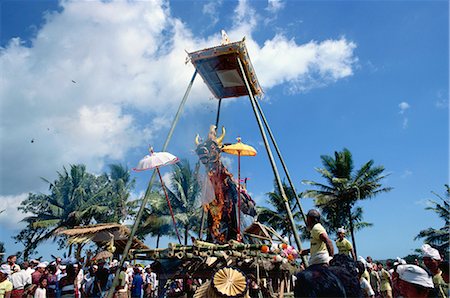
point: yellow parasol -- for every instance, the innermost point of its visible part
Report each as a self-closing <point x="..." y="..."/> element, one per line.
<point x="239" y="149"/>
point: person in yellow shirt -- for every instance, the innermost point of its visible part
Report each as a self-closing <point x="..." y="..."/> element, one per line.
<point x="321" y="245"/>
<point x="385" y="281"/>
<point x="343" y="245"/>
<point x="5" y="285"/>
<point x="432" y="259"/>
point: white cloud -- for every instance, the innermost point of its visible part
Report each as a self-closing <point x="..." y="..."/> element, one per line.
<point x="406" y="173"/>
<point x="442" y="100"/>
<point x="211" y="9"/>
<point x="274" y="6"/>
<point x="11" y="217"/>
<point x="403" y="107"/>
<point x="303" y="66"/>
<point x="76" y="90"/>
<point x="405" y="123"/>
<point x="442" y="104"/>
<point x="227" y="162"/>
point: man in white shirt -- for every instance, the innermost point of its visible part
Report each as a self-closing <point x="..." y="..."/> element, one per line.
<point x="150" y="283"/>
<point x="20" y="279"/>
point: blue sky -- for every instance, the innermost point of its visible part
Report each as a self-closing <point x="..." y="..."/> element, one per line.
<point x="369" y="76"/>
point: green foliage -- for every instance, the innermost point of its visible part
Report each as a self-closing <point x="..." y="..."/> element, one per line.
<point x="277" y="217"/>
<point x="184" y="192"/>
<point x="156" y="220"/>
<point x="411" y="258"/>
<point x="76" y="198"/>
<point x="439" y="238"/>
<point x="343" y="188"/>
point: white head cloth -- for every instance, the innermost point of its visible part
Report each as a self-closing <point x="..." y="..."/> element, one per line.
<point x="430" y="252"/>
<point x="341" y="230"/>
<point x="5" y="269"/>
<point x="415" y="275"/>
<point x="362" y="260"/>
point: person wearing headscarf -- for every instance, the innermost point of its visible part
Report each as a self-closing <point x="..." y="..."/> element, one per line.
<point x="432" y="259"/>
<point x="38" y="273"/>
<point x="365" y="274"/>
<point x="321" y="245"/>
<point x="20" y="280"/>
<point x="413" y="281"/>
<point x="343" y="245"/>
<point x="5" y="285"/>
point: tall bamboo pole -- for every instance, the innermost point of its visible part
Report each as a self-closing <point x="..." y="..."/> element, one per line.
<point x="149" y="188"/>
<point x="291" y="184"/>
<point x="272" y="161"/>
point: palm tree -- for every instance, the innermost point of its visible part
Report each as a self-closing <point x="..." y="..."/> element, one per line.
<point x="439" y="238"/>
<point x="184" y="191"/>
<point x="76" y="198"/>
<point x="156" y="220"/>
<point x="278" y="218"/>
<point x="344" y="188"/>
<point x="120" y="186"/>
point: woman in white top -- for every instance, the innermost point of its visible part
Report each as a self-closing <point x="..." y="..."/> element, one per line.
<point x="364" y="284"/>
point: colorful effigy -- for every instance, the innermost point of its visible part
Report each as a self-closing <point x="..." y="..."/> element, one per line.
<point x="222" y="211"/>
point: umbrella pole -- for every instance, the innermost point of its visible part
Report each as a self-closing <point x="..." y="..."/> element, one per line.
<point x="239" y="197"/>
<point x="272" y="161"/>
<point x="148" y="191"/>
<point x="168" y="203"/>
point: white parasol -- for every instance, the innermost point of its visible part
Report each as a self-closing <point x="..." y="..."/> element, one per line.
<point x="154" y="161"/>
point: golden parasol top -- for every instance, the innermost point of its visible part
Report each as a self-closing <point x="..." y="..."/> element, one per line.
<point x="230" y="282"/>
<point x="239" y="148"/>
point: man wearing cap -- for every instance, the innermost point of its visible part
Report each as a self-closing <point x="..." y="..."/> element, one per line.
<point x="432" y="260"/>
<point x="413" y="281"/>
<point x="37" y="274"/>
<point x="5" y="285"/>
<point x="321" y="245"/>
<point x="344" y="246"/>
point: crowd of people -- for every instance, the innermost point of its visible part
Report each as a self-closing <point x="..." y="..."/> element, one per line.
<point x="344" y="275"/>
<point x="69" y="278"/>
<point x="328" y="275"/>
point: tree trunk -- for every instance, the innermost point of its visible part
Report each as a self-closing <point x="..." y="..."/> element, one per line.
<point x="70" y="251"/>
<point x="350" y="220"/>
<point x="186" y="234"/>
<point x="78" y="252"/>
<point x="157" y="239"/>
